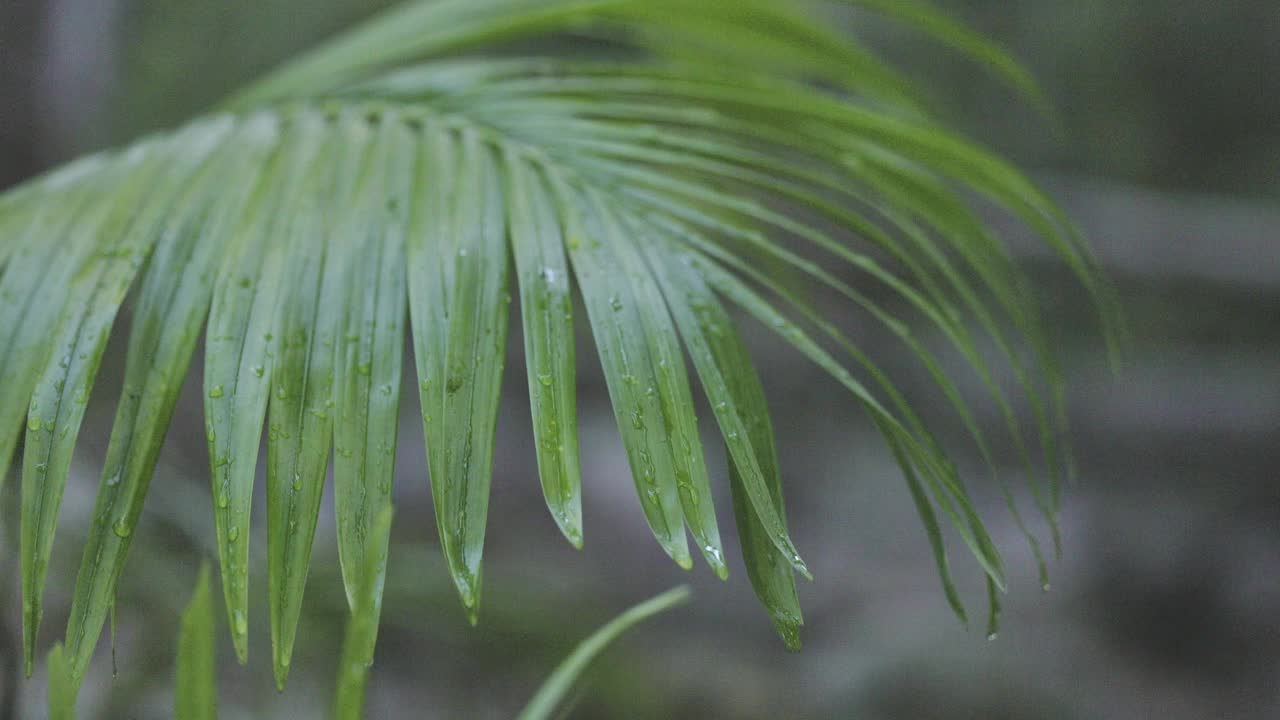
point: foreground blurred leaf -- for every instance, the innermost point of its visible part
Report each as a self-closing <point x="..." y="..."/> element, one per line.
<point x="557" y="687"/>
<point x="62" y="691"/>
<point x="362" y="627"/>
<point x="196" y="688"/>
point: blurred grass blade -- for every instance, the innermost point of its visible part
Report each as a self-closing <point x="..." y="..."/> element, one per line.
<point x="546" y="305"/>
<point x="62" y="686"/>
<point x="362" y="627"/>
<point x="196" y="687"/>
<point x="561" y="682"/>
<point x="549" y="696"/>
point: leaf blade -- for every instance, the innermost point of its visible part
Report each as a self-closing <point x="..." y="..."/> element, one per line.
<point x="368" y="355"/>
<point x="120" y="244"/>
<point x="300" y="431"/>
<point x="62" y="685"/>
<point x="167" y="322"/>
<point x="543" y="704"/>
<point x="475" y="356"/>
<point x="240" y="348"/>
<point x="195" y="691"/>
<point x="737" y="398"/>
<point x="610" y="303"/>
<point x="547" y="311"/>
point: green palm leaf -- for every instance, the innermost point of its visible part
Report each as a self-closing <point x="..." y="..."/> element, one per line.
<point x="422" y="169"/>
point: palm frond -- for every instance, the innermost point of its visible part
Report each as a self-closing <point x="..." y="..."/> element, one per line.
<point x="398" y="175"/>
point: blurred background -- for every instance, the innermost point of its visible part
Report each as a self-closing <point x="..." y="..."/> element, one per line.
<point x="1166" y="603"/>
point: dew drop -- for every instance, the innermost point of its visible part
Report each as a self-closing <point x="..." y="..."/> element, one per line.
<point x="121" y="528"/>
<point x="454" y="384"/>
<point x="216" y="392"/>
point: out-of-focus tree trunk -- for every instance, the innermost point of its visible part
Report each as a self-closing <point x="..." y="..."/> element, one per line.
<point x="18" y="42"/>
<point x="56" y="71"/>
<point x="77" y="72"/>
